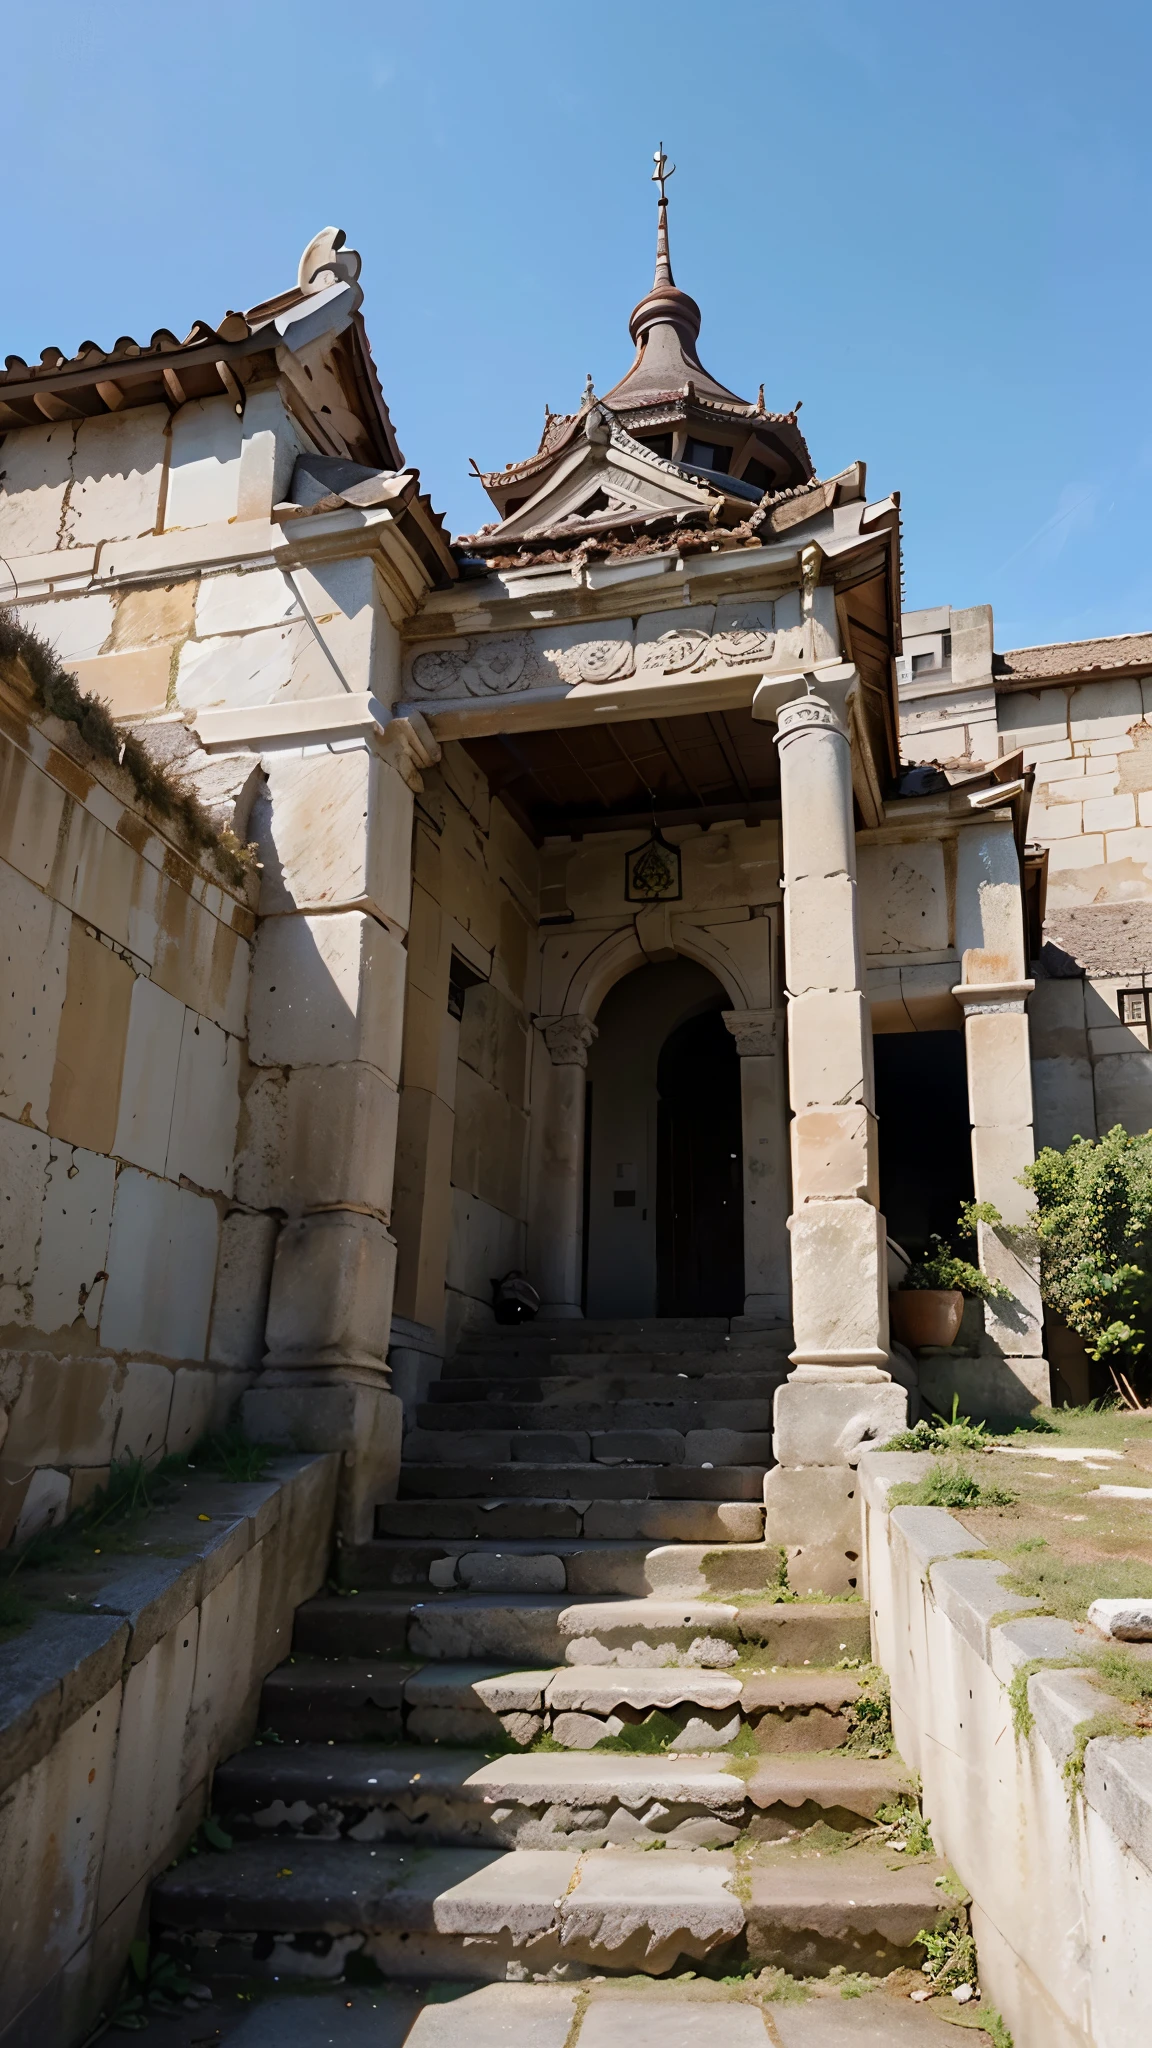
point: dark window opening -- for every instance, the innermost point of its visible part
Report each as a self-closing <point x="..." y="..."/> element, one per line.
<point x="758" y="473"/>
<point x="461" y="978"/>
<point x="925" y="1138"/>
<point x="708" y="455"/>
<point x="660" y="444"/>
<point x="598" y="502"/>
<point x="512" y="505"/>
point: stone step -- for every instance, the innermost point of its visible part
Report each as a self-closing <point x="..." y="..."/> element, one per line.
<point x="611" y="2013"/>
<point x="583" y="1482"/>
<point x="860" y="1909"/>
<point x="485" y="1704"/>
<point x="562" y="1564"/>
<point x="605" y="1385"/>
<point x="706" y="1448"/>
<point x="605" y="1910"/>
<point x="515" y="1360"/>
<point x="661" y="1521"/>
<point x="542" y="1629"/>
<point x="594" y="1418"/>
<point x="545" y="1799"/>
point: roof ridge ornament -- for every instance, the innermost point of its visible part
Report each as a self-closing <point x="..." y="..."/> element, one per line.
<point x="327" y="261"/>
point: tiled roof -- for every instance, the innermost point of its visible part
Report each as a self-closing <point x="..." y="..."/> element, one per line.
<point x="1064" y="660"/>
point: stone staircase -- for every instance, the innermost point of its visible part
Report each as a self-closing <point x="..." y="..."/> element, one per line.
<point x="561" y="1653"/>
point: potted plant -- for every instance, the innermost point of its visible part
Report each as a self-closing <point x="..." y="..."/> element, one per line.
<point x="926" y="1309"/>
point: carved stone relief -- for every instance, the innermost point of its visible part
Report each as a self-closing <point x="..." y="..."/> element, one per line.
<point x="692" y="640"/>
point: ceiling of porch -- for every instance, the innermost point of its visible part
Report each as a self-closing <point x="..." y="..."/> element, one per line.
<point x="601" y="778"/>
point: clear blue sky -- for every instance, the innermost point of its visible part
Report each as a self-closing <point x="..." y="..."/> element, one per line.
<point x="930" y="223"/>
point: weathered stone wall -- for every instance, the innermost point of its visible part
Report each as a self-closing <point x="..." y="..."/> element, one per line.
<point x="112" y="1723"/>
<point x="1092" y="808"/>
<point x="461" y="1176"/>
<point x="132" y="1284"/>
<point x="1058" y="1879"/>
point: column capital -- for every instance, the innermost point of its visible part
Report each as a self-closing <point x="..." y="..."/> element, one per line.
<point x="807" y="698"/>
<point x="567" y="1038"/>
<point x="989" y="998"/>
<point x="755" y="1031"/>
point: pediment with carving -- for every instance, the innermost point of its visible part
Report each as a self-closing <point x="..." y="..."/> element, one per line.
<point x="738" y="636"/>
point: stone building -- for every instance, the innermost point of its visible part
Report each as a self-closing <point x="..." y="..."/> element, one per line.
<point x="596" y="932"/>
<point x="623" y="896"/>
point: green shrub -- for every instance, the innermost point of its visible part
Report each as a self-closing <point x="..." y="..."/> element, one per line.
<point x="1094" y="1226"/>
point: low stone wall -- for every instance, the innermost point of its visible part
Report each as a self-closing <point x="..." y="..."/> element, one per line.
<point x="113" y="1719"/>
<point x="1061" y="1883"/>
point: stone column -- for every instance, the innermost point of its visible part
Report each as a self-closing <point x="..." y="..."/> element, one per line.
<point x="992" y="995"/>
<point x="555" y="1228"/>
<point x="764" y="1120"/>
<point x="839" y="1395"/>
<point x="326" y="1024"/>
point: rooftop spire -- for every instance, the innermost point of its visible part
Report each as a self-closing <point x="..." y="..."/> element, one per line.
<point x="660" y="176"/>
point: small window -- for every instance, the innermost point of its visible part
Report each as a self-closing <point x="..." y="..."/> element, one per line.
<point x="513" y="505"/>
<point x="922" y="661"/>
<point x="461" y="978"/>
<point x="1133" y="1004"/>
<point x="758" y="473"/>
<point x="708" y="455"/>
<point x="660" y="444"/>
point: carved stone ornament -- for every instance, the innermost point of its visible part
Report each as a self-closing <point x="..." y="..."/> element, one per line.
<point x="596" y="661"/>
<point x="807" y="712"/>
<point x="483" y="668"/>
<point x="568" y="1038"/>
<point x="753" y="1030"/>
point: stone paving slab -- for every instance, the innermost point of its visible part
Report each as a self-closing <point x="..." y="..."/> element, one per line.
<point x="497" y="2016"/>
<point x="666" y="2023"/>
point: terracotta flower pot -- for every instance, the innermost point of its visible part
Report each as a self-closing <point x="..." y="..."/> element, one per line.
<point x="923" y="1316"/>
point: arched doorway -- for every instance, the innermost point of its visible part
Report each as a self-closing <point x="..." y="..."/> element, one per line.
<point x="663" y="1221"/>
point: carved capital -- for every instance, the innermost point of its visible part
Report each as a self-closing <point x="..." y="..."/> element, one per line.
<point x="567" y="1038"/>
<point x="753" y="1030"/>
<point x="808" y="699"/>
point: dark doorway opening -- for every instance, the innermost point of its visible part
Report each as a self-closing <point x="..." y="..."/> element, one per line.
<point x="699" y="1179"/>
<point x="925" y="1137"/>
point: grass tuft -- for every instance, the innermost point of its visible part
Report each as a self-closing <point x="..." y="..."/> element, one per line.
<point x="950" y="1484"/>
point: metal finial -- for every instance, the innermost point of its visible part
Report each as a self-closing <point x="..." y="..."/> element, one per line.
<point x="589" y="393"/>
<point x="664" y="170"/>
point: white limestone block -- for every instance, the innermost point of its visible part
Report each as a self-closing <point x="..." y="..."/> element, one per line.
<point x="331" y="1296"/>
<point x="1123" y="1091"/>
<point x="829" y="1049"/>
<point x="194" y="1398"/>
<point x="143" y="1819"/>
<point x="999" y="1077"/>
<point x="820" y="934"/>
<point x="31" y="815"/>
<point x="903" y="898"/>
<point x="145" y="1398"/>
<point x="73" y="1248"/>
<point x="161" y="1266"/>
<point x="840" y="1281"/>
<point x="206" y="1105"/>
<point x="999" y="1157"/>
<point x="45" y="1503"/>
<point x="514" y="1895"/>
<point x="24" y="1157"/>
<point x="148" y="1088"/>
<point x="832" y="1425"/>
<point x="117" y="466"/>
<point x="76" y="626"/>
<point x="1128" y="1621"/>
<point x="243" y="1276"/>
<point x="34" y="938"/>
<point x="335" y="832"/>
<point x="239" y="601"/>
<point x="1013" y="1326"/>
<point x="236" y="670"/>
<point x="326" y="989"/>
<point x="204" y="471"/>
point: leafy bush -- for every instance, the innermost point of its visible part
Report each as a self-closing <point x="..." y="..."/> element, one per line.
<point x="1094" y="1225"/>
<point x="942" y="1267"/>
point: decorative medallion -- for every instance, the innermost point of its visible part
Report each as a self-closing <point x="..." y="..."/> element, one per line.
<point x="681" y="648"/>
<point x="596" y="661"/>
<point x="652" y="871"/>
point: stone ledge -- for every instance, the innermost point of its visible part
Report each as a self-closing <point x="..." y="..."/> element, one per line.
<point x="63" y="1663"/>
<point x="970" y="1592"/>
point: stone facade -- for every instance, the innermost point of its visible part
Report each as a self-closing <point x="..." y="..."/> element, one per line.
<point x="256" y="1133"/>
